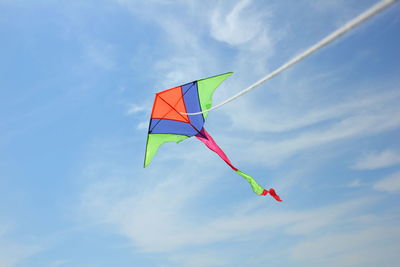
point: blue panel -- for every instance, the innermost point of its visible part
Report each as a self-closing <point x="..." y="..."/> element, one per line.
<point x="192" y="103"/>
<point x="171" y="127"/>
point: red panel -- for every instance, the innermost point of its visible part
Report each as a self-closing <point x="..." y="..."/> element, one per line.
<point x="168" y="105"/>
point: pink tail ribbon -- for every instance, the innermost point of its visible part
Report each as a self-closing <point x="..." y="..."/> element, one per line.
<point x="204" y="137"/>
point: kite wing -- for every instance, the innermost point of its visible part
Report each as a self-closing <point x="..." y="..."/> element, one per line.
<point x="170" y="123"/>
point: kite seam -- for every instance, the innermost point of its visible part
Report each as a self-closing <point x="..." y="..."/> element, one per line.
<point x="172" y="134"/>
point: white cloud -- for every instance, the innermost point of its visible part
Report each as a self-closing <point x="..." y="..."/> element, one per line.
<point x="137" y="212"/>
<point x="389" y="184"/>
<point x="12" y="252"/>
<point x="133" y="109"/>
<point x="328" y="4"/>
<point x="161" y="215"/>
<point x="374" y="246"/>
<point x="99" y="53"/>
<point x="180" y="69"/>
<point x="188" y="38"/>
<point x="378" y="160"/>
<point x="164" y="216"/>
<point x="58" y="263"/>
<point x="241" y="26"/>
<point x="207" y="258"/>
<point x="292" y="117"/>
<point x="142" y="125"/>
<point x="309" y="222"/>
<point x="187" y="56"/>
<point x="246" y="27"/>
<point x="274" y="153"/>
<point x="354" y="184"/>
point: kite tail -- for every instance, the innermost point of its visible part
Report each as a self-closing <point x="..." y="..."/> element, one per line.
<point x="204" y="137"/>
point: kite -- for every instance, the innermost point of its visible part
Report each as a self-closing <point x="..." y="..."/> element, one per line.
<point x="170" y="122"/>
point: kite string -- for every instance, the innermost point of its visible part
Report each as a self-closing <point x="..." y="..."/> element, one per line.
<point x="323" y="42"/>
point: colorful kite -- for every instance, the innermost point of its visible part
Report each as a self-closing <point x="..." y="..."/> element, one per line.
<point x="170" y="122"/>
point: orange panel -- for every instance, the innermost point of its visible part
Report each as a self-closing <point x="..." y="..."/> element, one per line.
<point x="168" y="105"/>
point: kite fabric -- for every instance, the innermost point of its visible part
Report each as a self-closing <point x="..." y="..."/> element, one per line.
<point x="170" y="122"/>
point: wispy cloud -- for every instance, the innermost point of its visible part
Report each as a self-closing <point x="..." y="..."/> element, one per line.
<point x="356" y="126"/>
<point x="297" y="114"/>
<point x="135" y="209"/>
<point x="243" y="26"/>
<point x="354" y="184"/>
<point x="390" y="183"/>
<point x="164" y="218"/>
<point x="99" y="54"/>
<point x="374" y="246"/>
<point x="13" y="252"/>
<point x="160" y="215"/>
<point x="142" y="125"/>
<point x="133" y="109"/>
<point x="192" y="38"/>
<point x="187" y="55"/>
<point x="378" y="160"/>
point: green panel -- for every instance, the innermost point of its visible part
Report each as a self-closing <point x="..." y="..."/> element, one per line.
<point x="254" y="185"/>
<point x="206" y="88"/>
<point x="154" y="141"/>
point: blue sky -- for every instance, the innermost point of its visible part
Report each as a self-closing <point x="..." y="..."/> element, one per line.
<point x="77" y="84"/>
